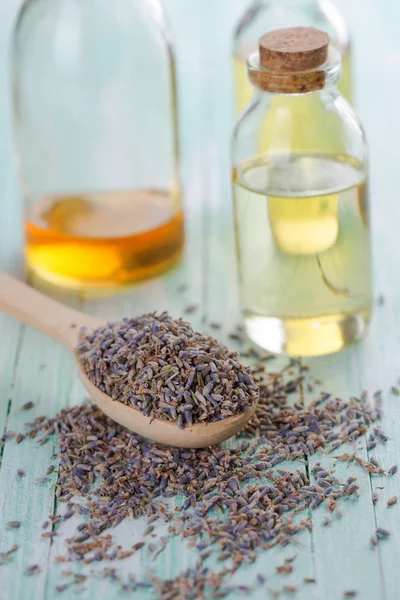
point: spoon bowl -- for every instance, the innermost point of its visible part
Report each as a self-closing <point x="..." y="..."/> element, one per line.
<point x="64" y="324"/>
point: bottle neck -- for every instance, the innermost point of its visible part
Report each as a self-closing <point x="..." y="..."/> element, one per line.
<point x="289" y="83"/>
<point x="329" y="90"/>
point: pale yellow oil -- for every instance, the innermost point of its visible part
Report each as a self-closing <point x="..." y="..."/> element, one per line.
<point x="244" y="91"/>
<point x="303" y="241"/>
<point x="103" y="240"/>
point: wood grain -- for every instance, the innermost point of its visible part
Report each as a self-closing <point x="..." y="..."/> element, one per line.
<point x="338" y="556"/>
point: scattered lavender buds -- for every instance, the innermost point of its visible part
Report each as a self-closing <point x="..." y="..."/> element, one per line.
<point x="14" y="524"/>
<point x="166" y="370"/>
<point x="194" y="584"/>
<point x="382" y="533"/>
<point x="190" y="309"/>
<point x="232" y="502"/>
<point x="392" y="501"/>
<point x="312" y="428"/>
<point x="284" y="569"/>
<point x="393" y="470"/>
<point x="5" y="557"/>
<point x="32" y="570"/>
<point x="244" y="484"/>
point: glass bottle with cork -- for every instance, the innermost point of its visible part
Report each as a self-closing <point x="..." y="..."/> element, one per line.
<point x="263" y="16"/>
<point x="301" y="210"/>
<point x="94" y="93"/>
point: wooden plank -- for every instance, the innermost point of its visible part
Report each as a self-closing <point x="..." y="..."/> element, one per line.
<point x="379" y="368"/>
<point x="376" y="366"/>
<point x="379" y="364"/>
<point x="386" y="369"/>
<point x="10" y="330"/>
<point x="342" y="554"/>
<point x="23" y="499"/>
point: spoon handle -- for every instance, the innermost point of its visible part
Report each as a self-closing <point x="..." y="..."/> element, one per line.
<point x="49" y="316"/>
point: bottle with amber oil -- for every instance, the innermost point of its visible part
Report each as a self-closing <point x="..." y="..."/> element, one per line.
<point x="94" y="94"/>
<point x="301" y="210"/>
<point x="263" y="16"/>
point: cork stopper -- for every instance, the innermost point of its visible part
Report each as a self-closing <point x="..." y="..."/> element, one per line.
<point x="289" y="60"/>
<point x="294" y="49"/>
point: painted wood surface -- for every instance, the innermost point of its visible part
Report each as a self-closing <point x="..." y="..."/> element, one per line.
<point x="34" y="368"/>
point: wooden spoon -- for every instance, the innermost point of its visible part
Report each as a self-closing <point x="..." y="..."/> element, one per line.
<point x="63" y="324"/>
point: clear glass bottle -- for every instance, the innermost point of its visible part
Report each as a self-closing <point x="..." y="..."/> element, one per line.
<point x="267" y="15"/>
<point x="94" y="94"/>
<point x="301" y="209"/>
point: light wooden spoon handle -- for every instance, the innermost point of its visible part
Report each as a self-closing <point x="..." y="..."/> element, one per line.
<point x="49" y="316"/>
<point x="63" y="324"/>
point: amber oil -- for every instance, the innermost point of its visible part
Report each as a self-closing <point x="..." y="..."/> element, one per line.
<point x="104" y="240"/>
<point x="302" y="230"/>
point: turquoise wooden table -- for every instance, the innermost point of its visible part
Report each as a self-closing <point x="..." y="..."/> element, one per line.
<point x="33" y="368"/>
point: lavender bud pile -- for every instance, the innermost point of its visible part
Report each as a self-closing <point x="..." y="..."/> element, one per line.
<point x="230" y="504"/>
<point x="166" y="370"/>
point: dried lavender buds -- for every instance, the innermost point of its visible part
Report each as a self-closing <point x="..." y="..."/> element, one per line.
<point x="162" y="367"/>
<point x="227" y="504"/>
<point x="236" y="501"/>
